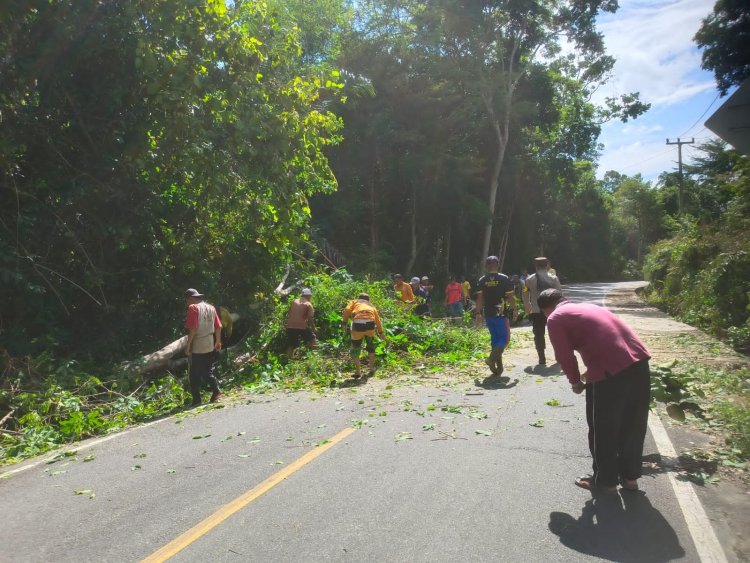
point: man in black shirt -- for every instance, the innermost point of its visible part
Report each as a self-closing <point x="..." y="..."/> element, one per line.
<point x="493" y="290"/>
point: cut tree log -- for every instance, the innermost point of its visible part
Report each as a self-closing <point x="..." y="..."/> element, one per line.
<point x="171" y="357"/>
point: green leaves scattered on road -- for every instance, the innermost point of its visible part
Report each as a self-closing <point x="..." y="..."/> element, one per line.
<point x="88" y="492"/>
<point x="483" y="432"/>
<point x="552" y="403"/>
<point x="427" y="427"/>
<point x="90" y="457"/>
<point x="401" y="436"/>
<point x="136" y="468"/>
<point x="200" y="436"/>
<point x="538" y="423"/>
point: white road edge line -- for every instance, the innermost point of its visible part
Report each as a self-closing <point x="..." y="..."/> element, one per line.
<point x="704" y="538"/>
<point x="84" y="446"/>
<point x="706" y="543"/>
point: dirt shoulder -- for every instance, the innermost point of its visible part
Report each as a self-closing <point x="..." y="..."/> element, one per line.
<point x="668" y="339"/>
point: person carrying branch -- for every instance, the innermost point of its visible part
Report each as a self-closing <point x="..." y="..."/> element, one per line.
<point x="403" y="290"/>
<point x="203" y="344"/>
<point x="365" y="323"/>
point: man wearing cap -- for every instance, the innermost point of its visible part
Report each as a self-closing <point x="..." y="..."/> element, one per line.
<point x="535" y="284"/>
<point x="420" y="297"/>
<point x="203" y="344"/>
<point x="493" y="291"/>
<point x="299" y="323"/>
<point x="617" y="384"/>
<point x="402" y="289"/>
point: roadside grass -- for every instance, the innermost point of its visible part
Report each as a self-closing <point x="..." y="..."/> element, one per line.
<point x="717" y="399"/>
<point x="46" y="402"/>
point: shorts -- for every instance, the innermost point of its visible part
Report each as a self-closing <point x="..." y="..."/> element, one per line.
<point x="499" y="328"/>
<point x="456" y="309"/>
<point x="294" y="335"/>
<point x="358" y="336"/>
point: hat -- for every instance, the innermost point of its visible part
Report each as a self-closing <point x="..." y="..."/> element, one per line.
<point x="425" y="278"/>
<point x="541" y="261"/>
<point x="491" y="259"/>
<point x="398" y="276"/>
<point x="193" y="293"/>
<point x="306" y="292"/>
<point x="415" y="279"/>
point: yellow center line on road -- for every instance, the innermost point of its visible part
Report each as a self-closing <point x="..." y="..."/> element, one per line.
<point x="202" y="528"/>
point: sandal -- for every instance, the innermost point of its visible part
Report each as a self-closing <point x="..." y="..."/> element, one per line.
<point x="588" y="484"/>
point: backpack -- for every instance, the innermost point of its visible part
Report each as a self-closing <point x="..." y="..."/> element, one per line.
<point x="542" y="284"/>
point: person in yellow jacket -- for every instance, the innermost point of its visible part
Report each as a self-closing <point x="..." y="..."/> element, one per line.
<point x="365" y="320"/>
<point x="403" y="290"/>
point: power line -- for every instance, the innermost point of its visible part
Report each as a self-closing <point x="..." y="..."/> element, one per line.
<point x="701" y="117"/>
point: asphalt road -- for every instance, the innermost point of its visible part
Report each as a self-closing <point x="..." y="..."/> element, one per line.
<point x="435" y="470"/>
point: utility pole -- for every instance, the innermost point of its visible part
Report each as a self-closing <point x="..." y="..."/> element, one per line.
<point x="679" y="164"/>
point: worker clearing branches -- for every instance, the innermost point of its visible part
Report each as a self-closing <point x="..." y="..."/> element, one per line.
<point x="365" y="323"/>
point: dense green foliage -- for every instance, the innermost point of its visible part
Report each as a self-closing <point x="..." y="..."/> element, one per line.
<point x="725" y="39"/>
<point x="52" y="402"/>
<point x="702" y="272"/>
<point x="150" y="146"/>
<point x="478" y="138"/>
<point x="146" y="147"/>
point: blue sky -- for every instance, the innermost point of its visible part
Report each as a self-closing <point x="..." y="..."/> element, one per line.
<point x="656" y="56"/>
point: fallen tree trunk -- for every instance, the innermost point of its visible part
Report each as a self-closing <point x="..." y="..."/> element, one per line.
<point x="171" y="357"/>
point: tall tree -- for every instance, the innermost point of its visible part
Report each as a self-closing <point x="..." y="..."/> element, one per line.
<point x="725" y="38"/>
<point x="495" y="44"/>
<point x="146" y="146"/>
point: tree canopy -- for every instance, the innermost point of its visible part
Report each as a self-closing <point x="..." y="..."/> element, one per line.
<point x="725" y="39"/>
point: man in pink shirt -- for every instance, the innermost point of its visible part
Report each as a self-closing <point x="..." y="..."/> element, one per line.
<point x="617" y="383"/>
<point x="203" y="344"/>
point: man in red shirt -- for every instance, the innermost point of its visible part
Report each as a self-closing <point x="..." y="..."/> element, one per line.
<point x="617" y="383"/>
<point x="454" y="298"/>
<point x="203" y="344"/>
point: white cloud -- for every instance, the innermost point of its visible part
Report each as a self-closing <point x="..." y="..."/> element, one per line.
<point x="631" y="128"/>
<point x="646" y="158"/>
<point x="653" y="45"/>
<point x="652" y="42"/>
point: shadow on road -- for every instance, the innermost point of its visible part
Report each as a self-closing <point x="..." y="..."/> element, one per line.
<point x="544" y="371"/>
<point x="623" y="528"/>
<point x="496" y="382"/>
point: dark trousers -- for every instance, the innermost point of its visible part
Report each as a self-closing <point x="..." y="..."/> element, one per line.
<point x="202" y="371"/>
<point x="539" y="327"/>
<point x="617" y="416"/>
